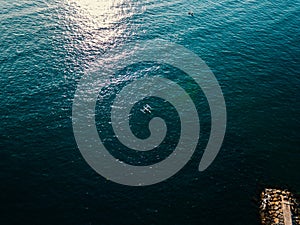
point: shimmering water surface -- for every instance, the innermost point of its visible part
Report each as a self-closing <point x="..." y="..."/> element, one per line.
<point x="252" y="47"/>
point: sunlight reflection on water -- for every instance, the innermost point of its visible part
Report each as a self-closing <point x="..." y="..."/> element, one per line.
<point x="101" y="22"/>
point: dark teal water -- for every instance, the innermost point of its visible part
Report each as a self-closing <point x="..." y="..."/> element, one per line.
<point x="252" y="47"/>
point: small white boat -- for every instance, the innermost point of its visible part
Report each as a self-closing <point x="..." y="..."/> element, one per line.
<point x="147" y="109"/>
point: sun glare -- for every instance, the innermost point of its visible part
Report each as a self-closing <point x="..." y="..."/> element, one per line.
<point x="101" y="22"/>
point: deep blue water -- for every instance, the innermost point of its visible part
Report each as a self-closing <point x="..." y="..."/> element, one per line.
<point x="253" y="49"/>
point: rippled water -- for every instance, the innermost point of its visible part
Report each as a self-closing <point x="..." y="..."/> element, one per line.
<point x="47" y="46"/>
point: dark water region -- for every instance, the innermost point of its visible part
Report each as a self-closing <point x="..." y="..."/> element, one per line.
<point x="252" y="47"/>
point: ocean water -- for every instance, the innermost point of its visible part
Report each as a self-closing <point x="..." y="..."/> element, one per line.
<point x="46" y="47"/>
